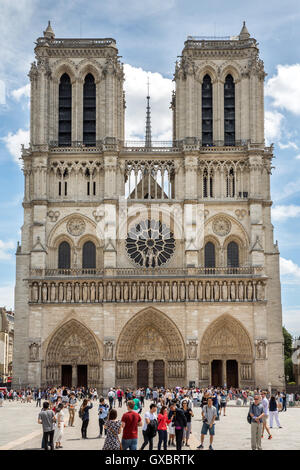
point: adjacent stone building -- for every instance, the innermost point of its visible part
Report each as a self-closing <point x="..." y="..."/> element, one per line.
<point x="147" y="263"/>
<point x="6" y="344"/>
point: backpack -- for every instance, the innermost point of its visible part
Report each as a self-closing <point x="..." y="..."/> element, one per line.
<point x="152" y="428"/>
<point x="249" y="418"/>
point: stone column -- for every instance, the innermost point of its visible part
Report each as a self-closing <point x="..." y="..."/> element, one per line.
<point x="74" y="375"/>
<point x="150" y="373"/>
<point x="224" y="374"/>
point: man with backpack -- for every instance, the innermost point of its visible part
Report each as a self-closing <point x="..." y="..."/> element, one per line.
<point x="150" y="427"/>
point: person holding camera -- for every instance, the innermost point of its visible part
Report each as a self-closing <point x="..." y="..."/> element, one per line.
<point x="178" y="417"/>
<point x="209" y="414"/>
<point x="103" y="410"/>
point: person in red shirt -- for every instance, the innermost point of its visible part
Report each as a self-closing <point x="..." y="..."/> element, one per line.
<point x="163" y="421"/>
<point x="130" y="423"/>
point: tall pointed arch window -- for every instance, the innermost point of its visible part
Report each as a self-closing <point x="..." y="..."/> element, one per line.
<point x="230" y="183"/>
<point x="209" y="255"/>
<point x="64" y="256"/>
<point x="229" y="111"/>
<point x="232" y="255"/>
<point x="89" y="256"/>
<point x="65" y="111"/>
<point x="207" y="111"/>
<point x="89" y="111"/>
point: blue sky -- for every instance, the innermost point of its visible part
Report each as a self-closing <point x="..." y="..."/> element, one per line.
<point x="150" y="36"/>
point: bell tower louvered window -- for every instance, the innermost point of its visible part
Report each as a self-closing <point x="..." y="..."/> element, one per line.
<point x="89" y="111"/>
<point x="65" y="111"/>
<point x="89" y="256"/>
<point x="207" y="111"/>
<point x="209" y="255"/>
<point x="229" y="111"/>
<point x="232" y="255"/>
<point x="64" y="256"/>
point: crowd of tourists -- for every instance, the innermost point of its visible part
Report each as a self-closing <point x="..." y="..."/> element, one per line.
<point x="167" y="415"/>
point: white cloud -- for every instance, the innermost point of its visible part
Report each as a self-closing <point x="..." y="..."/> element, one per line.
<point x="290" y="271"/>
<point x="291" y="320"/>
<point x="288" y="145"/>
<point x="136" y="91"/>
<point x="285" y="212"/>
<point x="273" y="126"/>
<point x="6" y="250"/>
<point x="284" y="88"/>
<point x="13" y="143"/>
<point x="7" y="294"/>
<point x="24" y="91"/>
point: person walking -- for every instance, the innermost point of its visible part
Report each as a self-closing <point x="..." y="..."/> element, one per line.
<point x="209" y="414"/>
<point x="47" y="419"/>
<point x="150" y="427"/>
<point x="188" y="412"/>
<point x="178" y="418"/>
<point x="39" y="398"/>
<point x="60" y="425"/>
<point x="265" y="404"/>
<point x="130" y="423"/>
<point x="223" y="402"/>
<point x="111" y="398"/>
<point x="256" y="412"/>
<point x="273" y="410"/>
<point x="102" y="415"/>
<point x="1" y="399"/>
<point x="84" y="415"/>
<point x="283" y="400"/>
<point x="162" y="429"/>
<point x="113" y="428"/>
<point x="120" y="394"/>
<point x="72" y="407"/>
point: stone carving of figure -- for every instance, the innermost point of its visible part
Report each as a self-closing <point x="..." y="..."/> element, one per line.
<point x="118" y="292"/>
<point x="35" y="292"/>
<point x="125" y="291"/>
<point x="109" y="350"/>
<point x="45" y="293"/>
<point x="109" y="292"/>
<point x="69" y="292"/>
<point x="34" y="352"/>
<point x="261" y="349"/>
<point x="232" y="291"/>
<point x="93" y="292"/>
<point x="259" y="291"/>
<point x="158" y="292"/>
<point x="192" y="350"/>
<point x="174" y="291"/>
<point x="207" y="291"/>
<point x="249" y="291"/>
<point x="60" y="292"/>
<point x="77" y="292"/>
<point x="191" y="292"/>
<point x="150" y="291"/>
<point x="182" y="291"/>
<point x="224" y="291"/>
<point x="133" y="291"/>
<point x="142" y="291"/>
<point x="166" y="291"/>
<point x="216" y="291"/>
<point x="200" y="291"/>
<point x="100" y="292"/>
<point x="241" y="291"/>
<point x="53" y="292"/>
<point x="84" y="292"/>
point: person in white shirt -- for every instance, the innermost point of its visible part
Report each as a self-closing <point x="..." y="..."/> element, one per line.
<point x="150" y="427"/>
<point x="265" y="404"/>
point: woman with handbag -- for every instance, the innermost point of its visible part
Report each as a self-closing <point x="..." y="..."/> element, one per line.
<point x="113" y="429"/>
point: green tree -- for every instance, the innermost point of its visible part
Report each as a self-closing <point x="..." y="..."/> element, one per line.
<point x="288" y="369"/>
<point x="288" y="343"/>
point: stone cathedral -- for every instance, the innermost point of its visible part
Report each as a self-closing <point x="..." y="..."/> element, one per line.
<point x="147" y="263"/>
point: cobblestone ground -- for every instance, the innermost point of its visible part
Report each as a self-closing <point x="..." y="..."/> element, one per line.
<point x="19" y="430"/>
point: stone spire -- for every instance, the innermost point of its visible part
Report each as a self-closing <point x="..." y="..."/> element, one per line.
<point x="244" y="34"/>
<point x="49" y="33"/>
<point x="148" y="139"/>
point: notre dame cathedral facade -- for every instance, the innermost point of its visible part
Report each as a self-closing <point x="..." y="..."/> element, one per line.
<point x="147" y="263"/>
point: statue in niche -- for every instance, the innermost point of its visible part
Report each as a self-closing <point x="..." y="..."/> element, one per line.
<point x="77" y="292"/>
<point x="109" y="292"/>
<point x="125" y="292"/>
<point x="93" y="292"/>
<point x="191" y="291"/>
<point x="207" y="291"/>
<point x="241" y="291"/>
<point x="232" y="291"/>
<point x="261" y="349"/>
<point x="142" y="291"/>
<point x="109" y="350"/>
<point x="200" y="291"/>
<point x="60" y="292"/>
<point x="259" y="291"/>
<point x="45" y="293"/>
<point x="174" y="291"/>
<point x="100" y="292"/>
<point x="53" y="292"/>
<point x="35" y="293"/>
<point x="192" y="349"/>
<point x="118" y="291"/>
<point x="34" y="352"/>
<point x="182" y="291"/>
<point x="84" y="292"/>
<point x="166" y="291"/>
<point x="69" y="292"/>
<point x="250" y="291"/>
<point x="216" y="291"/>
<point x="158" y="292"/>
<point x="133" y="291"/>
<point x="150" y="291"/>
<point x="224" y="291"/>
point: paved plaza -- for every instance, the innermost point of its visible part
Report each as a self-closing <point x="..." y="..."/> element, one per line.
<point x="20" y="430"/>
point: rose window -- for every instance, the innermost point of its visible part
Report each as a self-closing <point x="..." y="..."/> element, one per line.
<point x="150" y="243"/>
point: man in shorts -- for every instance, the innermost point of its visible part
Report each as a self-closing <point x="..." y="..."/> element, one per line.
<point x="209" y="414"/>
